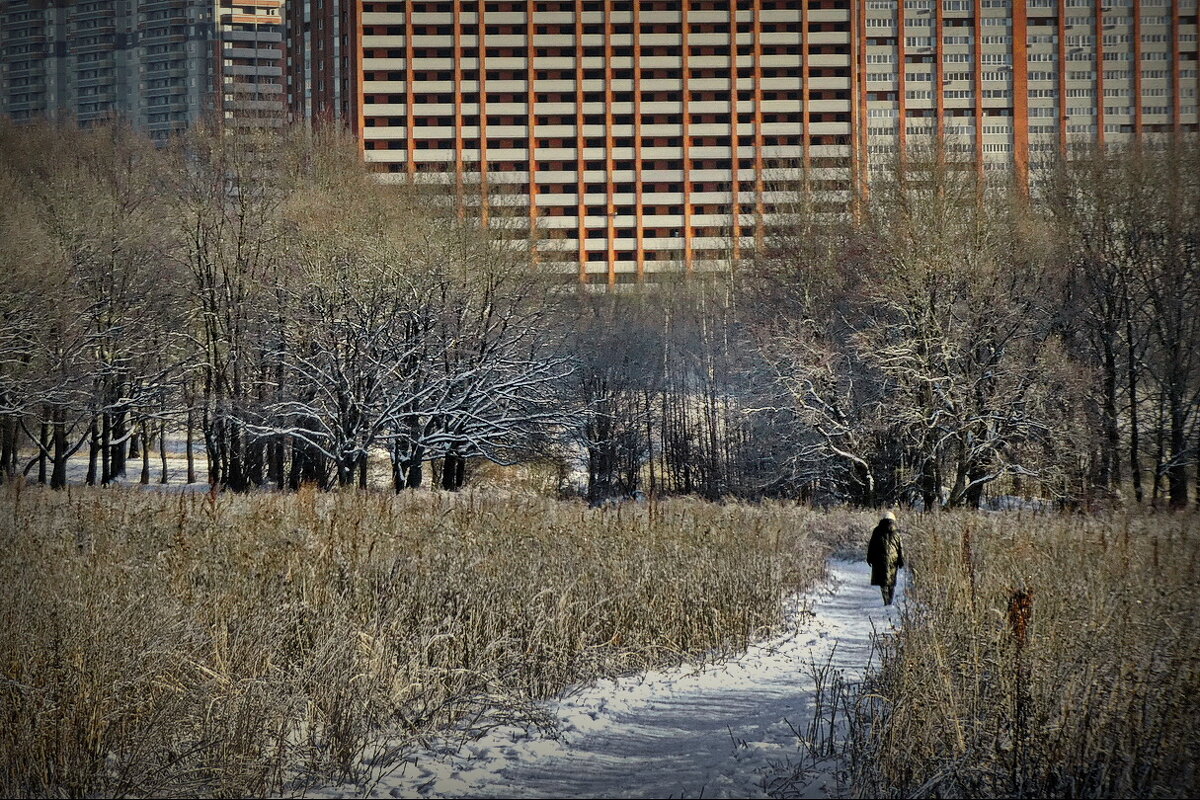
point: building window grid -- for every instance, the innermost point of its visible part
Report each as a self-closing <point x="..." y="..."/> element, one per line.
<point x="889" y="77"/>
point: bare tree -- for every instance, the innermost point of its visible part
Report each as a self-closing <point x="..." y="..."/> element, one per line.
<point x="88" y="198"/>
<point x="402" y="327"/>
<point x="1126" y="220"/>
<point x="227" y="197"/>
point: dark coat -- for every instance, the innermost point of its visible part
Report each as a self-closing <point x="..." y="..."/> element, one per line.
<point x="885" y="554"/>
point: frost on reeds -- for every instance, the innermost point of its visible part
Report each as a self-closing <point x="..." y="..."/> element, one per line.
<point x="234" y="645"/>
<point x="1040" y="656"/>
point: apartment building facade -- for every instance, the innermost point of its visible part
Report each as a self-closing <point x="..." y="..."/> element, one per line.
<point x="1010" y="78"/>
<point x="160" y="64"/>
<point x="647" y="135"/>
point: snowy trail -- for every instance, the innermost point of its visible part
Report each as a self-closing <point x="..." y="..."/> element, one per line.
<point x="714" y="731"/>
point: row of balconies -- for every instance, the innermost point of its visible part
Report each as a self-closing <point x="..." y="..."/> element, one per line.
<point x="550" y="172"/>
<point x="239" y="87"/>
<point x="236" y="104"/>
<point x="565" y="113"/>
<point x="266" y="121"/>
<point x="28" y="102"/>
<point x="567" y="60"/>
<point x="745" y="41"/>
<point x="36" y="68"/>
<point x="265" y="70"/>
<point x="167" y="72"/>
<point x="567" y="88"/>
<point x="521" y="131"/>
<point x="24" y="36"/>
<point x="622" y="14"/>
<point x="247" y="52"/>
<point x="260" y="35"/>
<point x="148" y="6"/>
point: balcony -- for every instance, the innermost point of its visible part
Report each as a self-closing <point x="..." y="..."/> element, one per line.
<point x="261" y="71"/>
<point x="165" y="72"/>
<point x="98" y="80"/>
<point x="262" y="36"/>
<point x="93" y="47"/>
<point x="36" y="69"/>
<point x="37" y="103"/>
<point x="260" y="106"/>
<point x="246" y="52"/>
<point x="147" y="6"/>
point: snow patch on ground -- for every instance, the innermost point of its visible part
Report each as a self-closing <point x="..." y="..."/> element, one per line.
<point x="697" y="730"/>
<point x="1008" y="502"/>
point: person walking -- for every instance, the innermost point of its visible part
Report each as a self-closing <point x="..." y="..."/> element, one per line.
<point x="885" y="555"/>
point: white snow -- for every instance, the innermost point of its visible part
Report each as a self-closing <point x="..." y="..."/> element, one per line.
<point x="1008" y="502"/>
<point x="715" y="730"/>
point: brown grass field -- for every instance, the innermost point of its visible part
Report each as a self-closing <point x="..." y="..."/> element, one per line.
<point x="158" y="643"/>
<point x="1041" y="656"/>
<point x="188" y="644"/>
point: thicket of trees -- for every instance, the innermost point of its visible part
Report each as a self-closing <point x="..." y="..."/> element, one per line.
<point x="264" y="295"/>
<point x="944" y="339"/>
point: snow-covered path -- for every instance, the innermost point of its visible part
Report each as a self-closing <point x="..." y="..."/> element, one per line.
<point x="715" y="731"/>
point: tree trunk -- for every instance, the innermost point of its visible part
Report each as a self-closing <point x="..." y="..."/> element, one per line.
<point x="118" y="443"/>
<point x="162" y="451"/>
<point x="453" y="472"/>
<point x="416" y="469"/>
<point x="188" y="447"/>
<point x="294" y="476"/>
<point x="212" y="450"/>
<point x="14" y="443"/>
<point x="397" y="467"/>
<point x="650" y="441"/>
<point x="1177" y="473"/>
<point x="43" y="446"/>
<point x="93" y="451"/>
<point x="105" y="449"/>
<point x="868" y="484"/>
<point x="144" y="479"/>
<point x="362" y="471"/>
<point x="346" y="468"/>
<point x="1110" y="463"/>
<point x="7" y="425"/>
<point x="1160" y="452"/>
<point x="974" y="494"/>
<point x="58" y="479"/>
<point x="255" y="460"/>
<point x="930" y="486"/>
<point x="235" y="457"/>
<point x="278" y="460"/>
<point x="1135" y="466"/>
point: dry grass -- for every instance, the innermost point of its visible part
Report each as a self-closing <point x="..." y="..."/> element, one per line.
<point x="1043" y="656"/>
<point x="225" y="645"/>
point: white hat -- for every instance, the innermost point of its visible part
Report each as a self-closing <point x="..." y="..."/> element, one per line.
<point x="888" y="515"/>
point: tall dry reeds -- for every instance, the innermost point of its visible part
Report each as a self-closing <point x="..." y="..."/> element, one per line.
<point x="1040" y="656"/>
<point x="158" y="643"/>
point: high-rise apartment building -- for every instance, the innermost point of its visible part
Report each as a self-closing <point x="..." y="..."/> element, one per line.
<point x="652" y="134"/>
<point x="323" y="38"/>
<point x="1012" y="77"/>
<point x="160" y="64"/>
<point x="571" y="117"/>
